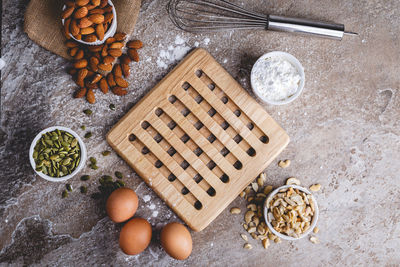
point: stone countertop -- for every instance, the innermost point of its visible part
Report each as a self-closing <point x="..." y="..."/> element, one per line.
<point x="344" y="129"/>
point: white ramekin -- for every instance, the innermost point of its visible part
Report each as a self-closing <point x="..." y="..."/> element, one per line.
<point x="77" y="169"/>
<point x="111" y="31"/>
<point x="313" y="222"/>
<point x="294" y="62"/>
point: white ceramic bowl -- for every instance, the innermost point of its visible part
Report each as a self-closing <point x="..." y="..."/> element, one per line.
<point x="294" y="62"/>
<point x="77" y="169"/>
<point x="314" y="219"/>
<point x="111" y="31"/>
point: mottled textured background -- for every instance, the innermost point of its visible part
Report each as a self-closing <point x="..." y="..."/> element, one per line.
<point x="344" y="129"/>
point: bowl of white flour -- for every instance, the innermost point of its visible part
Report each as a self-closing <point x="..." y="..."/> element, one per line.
<point x="277" y="78"/>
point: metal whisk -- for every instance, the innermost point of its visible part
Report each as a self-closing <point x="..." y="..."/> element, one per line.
<point x="217" y="15"/>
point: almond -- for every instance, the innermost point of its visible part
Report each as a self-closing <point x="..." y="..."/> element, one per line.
<point x="133" y="54"/>
<point x="81" y="92"/>
<point x="125" y="59"/>
<point x="66" y="30"/>
<point x="119" y="91"/>
<point x="110" y="80"/>
<point x="137" y="44"/>
<point x="108" y="8"/>
<point x="82" y="73"/>
<point x="78" y="37"/>
<point x="96" y="18"/>
<point x="108" y="17"/>
<point x="116" y="45"/>
<point x="89" y="38"/>
<point x="79" y="54"/>
<point x="104" y="51"/>
<point x="95" y="48"/>
<point x="82" y="2"/>
<point x="115" y="52"/>
<point x="110" y="40"/>
<point x="81" y="12"/>
<point x="74" y="29"/>
<point x="67" y="12"/>
<point x="93" y="63"/>
<point x="90" y="97"/>
<point x="120" y="36"/>
<point x="95" y="2"/>
<point x="117" y="71"/>
<point x="103" y="85"/>
<point x="96" y="11"/>
<point x="71" y="44"/>
<point x="106" y="26"/>
<point x="88" y="30"/>
<point x="90" y="85"/>
<point x="121" y="82"/>
<point x="96" y="78"/>
<point x="126" y="70"/>
<point x="70" y="3"/>
<point x="103" y="3"/>
<point x="72" y="71"/>
<point x="90" y="7"/>
<point x="80" y="83"/>
<point x="100" y="32"/>
<point x="84" y="23"/>
<point x="80" y="64"/>
<point x="72" y="51"/>
<point x="108" y="60"/>
<point x="105" y="67"/>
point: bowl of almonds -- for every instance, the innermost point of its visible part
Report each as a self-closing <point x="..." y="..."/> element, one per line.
<point x="291" y="212"/>
<point x="89" y="22"/>
<point x="57" y="154"/>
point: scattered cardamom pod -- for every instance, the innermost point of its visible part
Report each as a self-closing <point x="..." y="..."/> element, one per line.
<point x="83" y="127"/>
<point x="93" y="160"/>
<point x="64" y="194"/>
<point x="88" y="135"/>
<point x="112" y="106"/>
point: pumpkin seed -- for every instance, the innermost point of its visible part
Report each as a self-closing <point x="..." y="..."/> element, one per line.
<point x="56" y="150"/>
<point x="88" y="112"/>
<point x="85" y="177"/>
<point x="93" y="160"/>
<point x="94" y="167"/>
<point x="69" y="187"/>
<point x="83" y="189"/>
<point x="119" y="175"/>
<point x="106" y="153"/>
<point x="112" y="106"/>
<point x="88" y="135"/>
<point x="64" y="194"/>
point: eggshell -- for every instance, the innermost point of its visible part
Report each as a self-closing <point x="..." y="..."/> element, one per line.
<point x="122" y="204"/>
<point x="135" y="236"/>
<point x="176" y="240"/>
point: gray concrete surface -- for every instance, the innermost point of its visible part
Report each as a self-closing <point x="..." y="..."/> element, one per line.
<point x="344" y="129"/>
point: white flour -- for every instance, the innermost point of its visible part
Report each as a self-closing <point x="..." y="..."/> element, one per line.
<point x="276" y="79"/>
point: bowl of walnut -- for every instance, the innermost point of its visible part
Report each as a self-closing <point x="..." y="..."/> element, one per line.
<point x="291" y="212"/>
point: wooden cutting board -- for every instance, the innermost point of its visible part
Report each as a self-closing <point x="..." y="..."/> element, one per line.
<point x="198" y="139"/>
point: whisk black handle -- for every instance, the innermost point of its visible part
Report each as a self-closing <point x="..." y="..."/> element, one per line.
<point x="306" y="26"/>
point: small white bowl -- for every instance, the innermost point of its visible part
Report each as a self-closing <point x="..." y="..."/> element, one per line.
<point x="77" y="169"/>
<point x="291" y="59"/>
<point x="314" y="219"/>
<point x="111" y="31"/>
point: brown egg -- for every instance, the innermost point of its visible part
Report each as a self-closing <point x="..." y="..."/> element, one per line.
<point x="135" y="236"/>
<point x="176" y="240"/>
<point x="122" y="204"/>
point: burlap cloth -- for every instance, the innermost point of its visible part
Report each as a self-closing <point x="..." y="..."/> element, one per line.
<point x="43" y="22"/>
